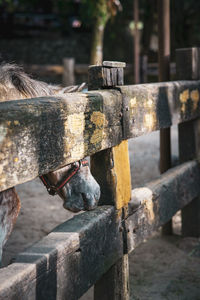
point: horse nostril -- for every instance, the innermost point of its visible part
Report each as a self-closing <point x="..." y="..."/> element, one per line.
<point x="71" y="208"/>
<point x="83" y="196"/>
<point x="84" y="199"/>
<point x="89" y="201"/>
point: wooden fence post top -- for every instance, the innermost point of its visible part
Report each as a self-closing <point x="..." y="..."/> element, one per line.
<point x="107" y="75"/>
<point x="114" y="64"/>
<point x="68" y="71"/>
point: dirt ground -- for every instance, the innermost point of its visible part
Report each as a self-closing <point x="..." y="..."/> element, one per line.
<point x="161" y="268"/>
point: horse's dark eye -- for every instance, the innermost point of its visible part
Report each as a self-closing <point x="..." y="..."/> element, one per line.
<point x="15" y="80"/>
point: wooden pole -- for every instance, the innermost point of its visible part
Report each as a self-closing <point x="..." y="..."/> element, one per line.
<point x="187" y="66"/>
<point x="164" y="39"/>
<point x="111" y="168"/>
<point x="143" y="69"/>
<point x="68" y="72"/>
<point x="136" y="43"/>
<point x="114" y="284"/>
<point x="164" y="75"/>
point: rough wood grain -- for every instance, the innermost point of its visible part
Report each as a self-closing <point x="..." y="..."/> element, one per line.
<point x="189" y="148"/>
<point x="65" y="263"/>
<point x="163" y="7"/>
<point x="43" y="134"/>
<point x="122" y="175"/>
<point x="114" y="64"/>
<point x="112" y="170"/>
<point x="160" y="200"/>
<point x="108" y="287"/>
<point x="105" y="77"/>
<point x="149" y="107"/>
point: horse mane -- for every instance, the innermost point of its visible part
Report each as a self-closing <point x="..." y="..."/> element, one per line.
<point x="16" y="84"/>
<point x="13" y="77"/>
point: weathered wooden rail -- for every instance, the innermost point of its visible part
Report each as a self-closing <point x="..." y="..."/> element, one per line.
<point x="46" y="133"/>
<point x="43" y="134"/>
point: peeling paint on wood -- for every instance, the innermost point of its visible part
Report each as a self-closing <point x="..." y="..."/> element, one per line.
<point x="121" y="174"/>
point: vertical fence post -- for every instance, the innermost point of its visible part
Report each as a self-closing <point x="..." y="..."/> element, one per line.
<point x="68" y="73"/>
<point x="164" y="75"/>
<point x="136" y="42"/>
<point x="188" y="68"/>
<point x="111" y="168"/>
<point x="143" y="69"/>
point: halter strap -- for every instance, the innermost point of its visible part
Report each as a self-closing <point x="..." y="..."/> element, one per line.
<point x="54" y="189"/>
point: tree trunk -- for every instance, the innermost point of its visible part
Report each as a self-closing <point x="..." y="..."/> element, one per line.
<point x="102" y="16"/>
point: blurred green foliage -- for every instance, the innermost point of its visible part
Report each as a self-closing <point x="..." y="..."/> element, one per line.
<point x="185" y="21"/>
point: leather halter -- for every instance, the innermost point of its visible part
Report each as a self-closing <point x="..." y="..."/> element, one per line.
<point x="54" y="189"/>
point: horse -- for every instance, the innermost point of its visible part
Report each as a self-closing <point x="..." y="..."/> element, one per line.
<point x="74" y="183"/>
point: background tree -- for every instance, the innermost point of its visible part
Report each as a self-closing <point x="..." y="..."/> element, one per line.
<point x="99" y="12"/>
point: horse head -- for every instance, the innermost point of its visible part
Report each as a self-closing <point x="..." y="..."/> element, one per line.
<point x="75" y="185"/>
<point x="81" y="191"/>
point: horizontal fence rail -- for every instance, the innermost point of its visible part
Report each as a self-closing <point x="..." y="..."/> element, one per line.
<point x="44" y="134"/>
<point x="68" y="261"/>
<point x="65" y="263"/>
<point x="82" y="69"/>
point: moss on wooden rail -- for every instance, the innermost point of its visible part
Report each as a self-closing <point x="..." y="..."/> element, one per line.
<point x="149" y="107"/>
<point x="43" y="134"/>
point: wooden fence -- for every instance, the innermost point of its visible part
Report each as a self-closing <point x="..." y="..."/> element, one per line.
<point x="73" y="70"/>
<point x="44" y="134"/>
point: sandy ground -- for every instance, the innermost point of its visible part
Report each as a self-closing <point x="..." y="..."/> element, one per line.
<point x="161" y="268"/>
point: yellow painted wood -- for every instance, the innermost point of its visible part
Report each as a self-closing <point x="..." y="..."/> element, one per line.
<point x="121" y="173"/>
